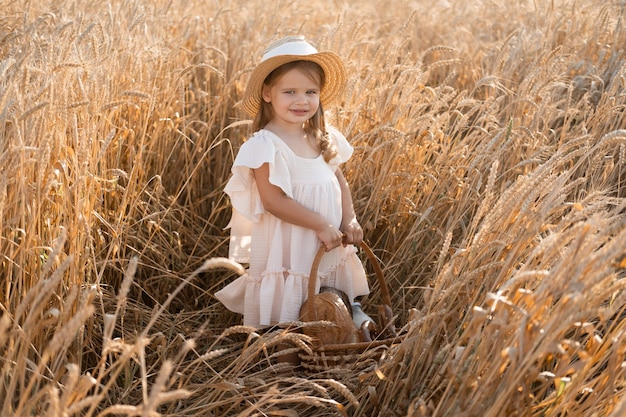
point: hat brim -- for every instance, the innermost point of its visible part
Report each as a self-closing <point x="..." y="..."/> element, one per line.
<point x="331" y="63"/>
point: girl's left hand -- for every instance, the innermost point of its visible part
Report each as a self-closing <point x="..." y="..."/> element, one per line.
<point x="353" y="233"/>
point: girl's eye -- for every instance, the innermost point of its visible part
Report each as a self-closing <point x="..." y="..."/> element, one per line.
<point x="312" y="92"/>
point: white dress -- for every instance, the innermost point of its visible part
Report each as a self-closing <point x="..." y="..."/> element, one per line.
<point x="280" y="254"/>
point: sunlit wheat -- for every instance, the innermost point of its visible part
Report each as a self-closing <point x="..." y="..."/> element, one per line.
<point x="488" y="176"/>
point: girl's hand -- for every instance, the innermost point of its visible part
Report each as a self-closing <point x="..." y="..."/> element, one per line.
<point x="330" y="236"/>
<point x="353" y="233"/>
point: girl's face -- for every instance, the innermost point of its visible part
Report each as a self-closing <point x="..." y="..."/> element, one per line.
<point x="294" y="97"/>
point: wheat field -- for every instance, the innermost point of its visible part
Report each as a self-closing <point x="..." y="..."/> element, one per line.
<point x="489" y="176"/>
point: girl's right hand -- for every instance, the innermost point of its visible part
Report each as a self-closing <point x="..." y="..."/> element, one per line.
<point x="330" y="236"/>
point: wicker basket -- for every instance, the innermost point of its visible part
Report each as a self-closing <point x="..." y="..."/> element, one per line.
<point x="352" y="356"/>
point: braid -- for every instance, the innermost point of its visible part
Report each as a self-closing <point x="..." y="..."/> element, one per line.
<point x="316" y="126"/>
<point x="329" y="150"/>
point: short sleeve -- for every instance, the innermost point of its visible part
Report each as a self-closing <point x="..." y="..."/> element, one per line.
<point x="345" y="150"/>
<point x="242" y="189"/>
<point x="243" y="192"/>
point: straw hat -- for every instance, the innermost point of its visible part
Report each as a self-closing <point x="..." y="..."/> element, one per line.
<point x="289" y="49"/>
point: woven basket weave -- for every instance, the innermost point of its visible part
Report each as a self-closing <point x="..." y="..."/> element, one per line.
<point x="353" y="356"/>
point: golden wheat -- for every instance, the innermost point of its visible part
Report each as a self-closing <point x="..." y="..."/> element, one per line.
<point x="488" y="176"/>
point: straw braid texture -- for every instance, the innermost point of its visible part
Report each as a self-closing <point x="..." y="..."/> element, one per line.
<point x="359" y="355"/>
<point x="290" y="49"/>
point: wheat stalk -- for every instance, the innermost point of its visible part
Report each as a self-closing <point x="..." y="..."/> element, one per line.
<point x="487" y="175"/>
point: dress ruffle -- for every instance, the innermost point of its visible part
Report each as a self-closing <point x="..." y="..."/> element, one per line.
<point x="243" y="193"/>
<point x="277" y="295"/>
<point x="280" y="254"/>
<point x="241" y="188"/>
<point x="263" y="147"/>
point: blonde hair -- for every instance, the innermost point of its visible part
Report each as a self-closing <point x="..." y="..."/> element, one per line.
<point x="316" y="125"/>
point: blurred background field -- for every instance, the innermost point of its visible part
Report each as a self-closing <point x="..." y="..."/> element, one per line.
<point x="488" y="175"/>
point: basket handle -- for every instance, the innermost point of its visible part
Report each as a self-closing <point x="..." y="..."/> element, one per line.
<point x="373" y="260"/>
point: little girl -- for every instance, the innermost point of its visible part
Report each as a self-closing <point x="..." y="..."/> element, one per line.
<point x="288" y="193"/>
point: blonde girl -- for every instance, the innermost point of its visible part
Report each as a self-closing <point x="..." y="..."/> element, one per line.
<point x="287" y="190"/>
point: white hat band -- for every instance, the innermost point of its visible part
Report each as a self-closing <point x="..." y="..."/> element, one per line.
<point x="290" y="48"/>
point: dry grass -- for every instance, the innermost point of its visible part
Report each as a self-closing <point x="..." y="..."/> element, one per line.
<point x="488" y="175"/>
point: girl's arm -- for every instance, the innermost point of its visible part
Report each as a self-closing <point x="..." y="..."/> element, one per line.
<point x="349" y="224"/>
<point x="276" y="202"/>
